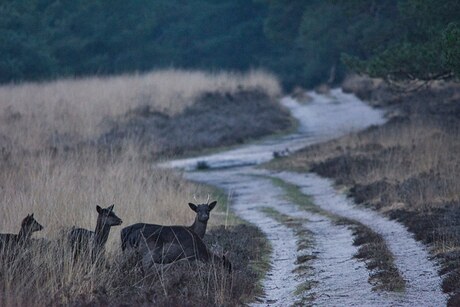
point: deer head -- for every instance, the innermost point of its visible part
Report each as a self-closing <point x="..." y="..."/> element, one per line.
<point x="202" y="211"/>
<point x="108" y="217"/>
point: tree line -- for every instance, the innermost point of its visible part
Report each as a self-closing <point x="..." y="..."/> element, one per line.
<point x="305" y="42"/>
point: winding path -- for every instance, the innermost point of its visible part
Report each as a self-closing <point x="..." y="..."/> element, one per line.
<point x="340" y="280"/>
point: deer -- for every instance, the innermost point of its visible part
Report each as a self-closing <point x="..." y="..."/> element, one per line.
<point x="11" y="241"/>
<point x="168" y="244"/>
<point x="93" y="242"/>
<point x="131" y="235"/>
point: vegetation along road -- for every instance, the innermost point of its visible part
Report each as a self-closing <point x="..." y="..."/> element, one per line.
<point x="319" y="253"/>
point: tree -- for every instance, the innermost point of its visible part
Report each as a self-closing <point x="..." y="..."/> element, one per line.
<point x="425" y="47"/>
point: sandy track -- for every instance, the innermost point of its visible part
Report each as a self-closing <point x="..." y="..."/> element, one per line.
<point x="423" y="284"/>
<point x="341" y="279"/>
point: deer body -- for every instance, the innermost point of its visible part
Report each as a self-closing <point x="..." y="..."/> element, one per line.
<point x="28" y="226"/>
<point x="166" y="244"/>
<point x="93" y="242"/>
<point x="132" y="235"/>
<point x="172" y="243"/>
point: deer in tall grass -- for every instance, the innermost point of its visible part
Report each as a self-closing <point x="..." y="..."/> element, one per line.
<point x="132" y="235"/>
<point x="93" y="242"/>
<point x="10" y="241"/>
<point x="168" y="244"/>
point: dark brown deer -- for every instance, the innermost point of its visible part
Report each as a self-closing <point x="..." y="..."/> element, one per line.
<point x="93" y="242"/>
<point x="172" y="243"/>
<point x="131" y="235"/>
<point x="10" y="241"/>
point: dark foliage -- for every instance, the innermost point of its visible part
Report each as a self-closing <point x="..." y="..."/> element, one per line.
<point x="305" y="42"/>
<point x="216" y="119"/>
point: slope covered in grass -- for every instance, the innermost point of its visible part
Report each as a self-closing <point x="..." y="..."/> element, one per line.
<point x="164" y="111"/>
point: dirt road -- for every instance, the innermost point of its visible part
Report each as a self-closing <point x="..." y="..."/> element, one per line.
<point x="313" y="256"/>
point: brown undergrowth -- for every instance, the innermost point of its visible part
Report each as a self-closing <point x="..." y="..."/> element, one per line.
<point x="63" y="190"/>
<point x="407" y="168"/>
<point x="45" y="275"/>
<point x="69" y="145"/>
<point x="164" y="112"/>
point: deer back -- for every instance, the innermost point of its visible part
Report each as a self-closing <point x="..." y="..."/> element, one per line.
<point x="171" y="243"/>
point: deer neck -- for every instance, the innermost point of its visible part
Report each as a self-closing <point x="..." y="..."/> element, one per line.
<point x="101" y="234"/>
<point x="199" y="227"/>
<point x="24" y="235"/>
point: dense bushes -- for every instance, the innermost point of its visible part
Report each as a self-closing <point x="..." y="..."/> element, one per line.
<point x="305" y="42"/>
<point x="48" y="38"/>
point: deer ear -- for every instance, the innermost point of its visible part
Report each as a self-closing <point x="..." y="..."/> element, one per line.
<point x="32" y="215"/>
<point x="212" y="205"/>
<point x="110" y="207"/>
<point x="99" y="209"/>
<point x="192" y="206"/>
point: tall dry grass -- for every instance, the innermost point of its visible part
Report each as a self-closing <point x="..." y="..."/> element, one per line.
<point x="62" y="191"/>
<point x="35" y="114"/>
<point x="65" y="191"/>
<point x="420" y="152"/>
<point x="63" y="188"/>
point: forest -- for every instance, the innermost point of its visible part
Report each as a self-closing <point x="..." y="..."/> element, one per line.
<point x="305" y="42"/>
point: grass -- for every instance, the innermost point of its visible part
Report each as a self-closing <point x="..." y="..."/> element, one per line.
<point x="62" y="186"/>
<point x="222" y="214"/>
<point x="379" y="259"/>
<point x="44" y="277"/>
<point x="293" y="194"/>
<point x="63" y="191"/>
<point x="70" y="111"/>
<point x="255" y="260"/>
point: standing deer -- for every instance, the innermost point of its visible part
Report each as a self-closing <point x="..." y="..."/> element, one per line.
<point x="83" y="240"/>
<point x="28" y="226"/>
<point x="132" y="235"/>
<point x="168" y="244"/>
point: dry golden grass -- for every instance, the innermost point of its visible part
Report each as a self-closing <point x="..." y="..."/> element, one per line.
<point x="395" y="154"/>
<point x="32" y="114"/>
<point x="62" y="189"/>
<point x="63" y="192"/>
<point x="67" y="187"/>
